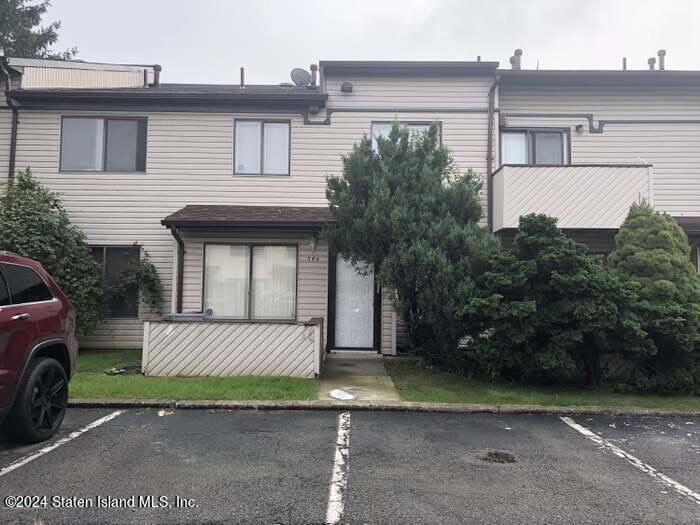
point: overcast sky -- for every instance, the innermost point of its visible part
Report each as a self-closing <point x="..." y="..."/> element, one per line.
<point x="208" y="40"/>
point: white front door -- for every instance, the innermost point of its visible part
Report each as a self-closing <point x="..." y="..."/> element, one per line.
<point x="354" y="306"/>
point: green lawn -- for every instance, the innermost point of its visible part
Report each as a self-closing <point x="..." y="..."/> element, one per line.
<point x="416" y="383"/>
<point x="89" y="381"/>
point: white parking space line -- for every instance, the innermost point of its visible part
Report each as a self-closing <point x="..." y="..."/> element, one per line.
<point x="339" y="480"/>
<point x="70" y="437"/>
<point x="678" y="487"/>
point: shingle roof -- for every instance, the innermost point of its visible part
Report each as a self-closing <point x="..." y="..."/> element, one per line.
<point x="175" y="95"/>
<point x="194" y="216"/>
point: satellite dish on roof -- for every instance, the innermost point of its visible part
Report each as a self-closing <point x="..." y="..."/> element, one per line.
<point x="301" y="77"/>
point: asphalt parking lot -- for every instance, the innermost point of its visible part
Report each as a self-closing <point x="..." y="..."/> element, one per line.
<point x="380" y="467"/>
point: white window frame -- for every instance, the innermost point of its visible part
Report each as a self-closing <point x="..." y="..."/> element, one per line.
<point x="261" y="153"/>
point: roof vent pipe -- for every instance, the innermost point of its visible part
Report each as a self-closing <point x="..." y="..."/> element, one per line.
<point x="314" y="75"/>
<point x="624" y="63"/>
<point x="156" y="74"/>
<point x="651" y="62"/>
<point x="242" y="78"/>
<point x="515" y="61"/>
<point x="662" y="59"/>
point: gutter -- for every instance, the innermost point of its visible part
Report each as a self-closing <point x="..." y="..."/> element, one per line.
<point x="489" y="153"/>
<point x="4" y="66"/>
<point x="180" y="269"/>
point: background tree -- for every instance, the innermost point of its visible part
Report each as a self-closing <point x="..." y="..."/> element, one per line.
<point x="34" y="224"/>
<point x="546" y="310"/>
<point x="20" y="35"/>
<point x="404" y="208"/>
<point x="652" y="251"/>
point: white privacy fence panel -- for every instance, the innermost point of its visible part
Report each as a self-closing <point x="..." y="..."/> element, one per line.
<point x="590" y="197"/>
<point x="219" y="348"/>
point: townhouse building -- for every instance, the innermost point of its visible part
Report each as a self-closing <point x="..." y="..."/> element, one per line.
<point x="224" y="185"/>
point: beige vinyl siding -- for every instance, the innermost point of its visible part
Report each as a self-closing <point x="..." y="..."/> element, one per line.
<point x="405" y="92"/>
<point x="673" y="149"/>
<point x="190" y="161"/>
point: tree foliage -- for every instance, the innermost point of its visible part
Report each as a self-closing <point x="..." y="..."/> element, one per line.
<point x="547" y="309"/>
<point x="653" y="253"/>
<point x="34" y="224"/>
<point x="403" y="207"/>
<point x="20" y="35"/>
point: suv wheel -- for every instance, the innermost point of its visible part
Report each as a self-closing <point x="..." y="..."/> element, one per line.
<point x="40" y="403"/>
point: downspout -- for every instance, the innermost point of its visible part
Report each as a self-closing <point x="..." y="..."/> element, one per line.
<point x="489" y="153"/>
<point x="180" y="269"/>
<point x="15" y="122"/>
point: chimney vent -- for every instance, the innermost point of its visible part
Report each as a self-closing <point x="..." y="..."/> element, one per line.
<point x="662" y="59"/>
<point x="314" y="75"/>
<point x="624" y="63"/>
<point x="515" y="60"/>
<point x="651" y="62"/>
<point x="242" y="85"/>
<point x="156" y="74"/>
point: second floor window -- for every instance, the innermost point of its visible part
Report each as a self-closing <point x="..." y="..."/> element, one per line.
<point x="531" y="146"/>
<point x="261" y="147"/>
<point x="382" y="129"/>
<point x="103" y="144"/>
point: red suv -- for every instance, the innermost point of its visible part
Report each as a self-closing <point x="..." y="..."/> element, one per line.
<point x="38" y="349"/>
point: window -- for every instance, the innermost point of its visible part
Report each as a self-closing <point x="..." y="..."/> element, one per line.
<point x="261" y="148"/>
<point x="382" y="129"/>
<point x="4" y="292"/>
<point x="25" y="285"/>
<point x="103" y="144"/>
<point x="534" y="147"/>
<point x="114" y="261"/>
<point x="250" y="281"/>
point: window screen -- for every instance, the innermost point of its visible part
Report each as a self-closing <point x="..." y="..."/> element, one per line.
<point x="25" y="284"/>
<point x="126" y="145"/>
<point x="514" y="148"/>
<point x="549" y="148"/>
<point x="248" y="144"/>
<point x="82" y="142"/>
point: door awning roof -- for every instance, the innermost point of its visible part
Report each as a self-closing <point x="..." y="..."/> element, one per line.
<point x="263" y="217"/>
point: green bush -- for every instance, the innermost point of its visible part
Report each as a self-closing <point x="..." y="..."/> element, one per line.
<point x="34" y="224"/>
<point x="652" y="252"/>
<point x="406" y="209"/>
<point x="546" y="310"/>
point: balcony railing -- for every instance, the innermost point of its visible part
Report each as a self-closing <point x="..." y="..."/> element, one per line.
<point x="580" y="196"/>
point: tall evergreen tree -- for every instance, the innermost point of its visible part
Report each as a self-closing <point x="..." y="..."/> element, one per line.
<point x="547" y="309"/>
<point x="20" y="35"/>
<point x="403" y="207"/>
<point x="652" y="251"/>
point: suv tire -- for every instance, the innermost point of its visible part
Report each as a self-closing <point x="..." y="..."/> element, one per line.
<point x="40" y="403"/>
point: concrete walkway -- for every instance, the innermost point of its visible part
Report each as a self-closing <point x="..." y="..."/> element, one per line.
<point x="360" y="374"/>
